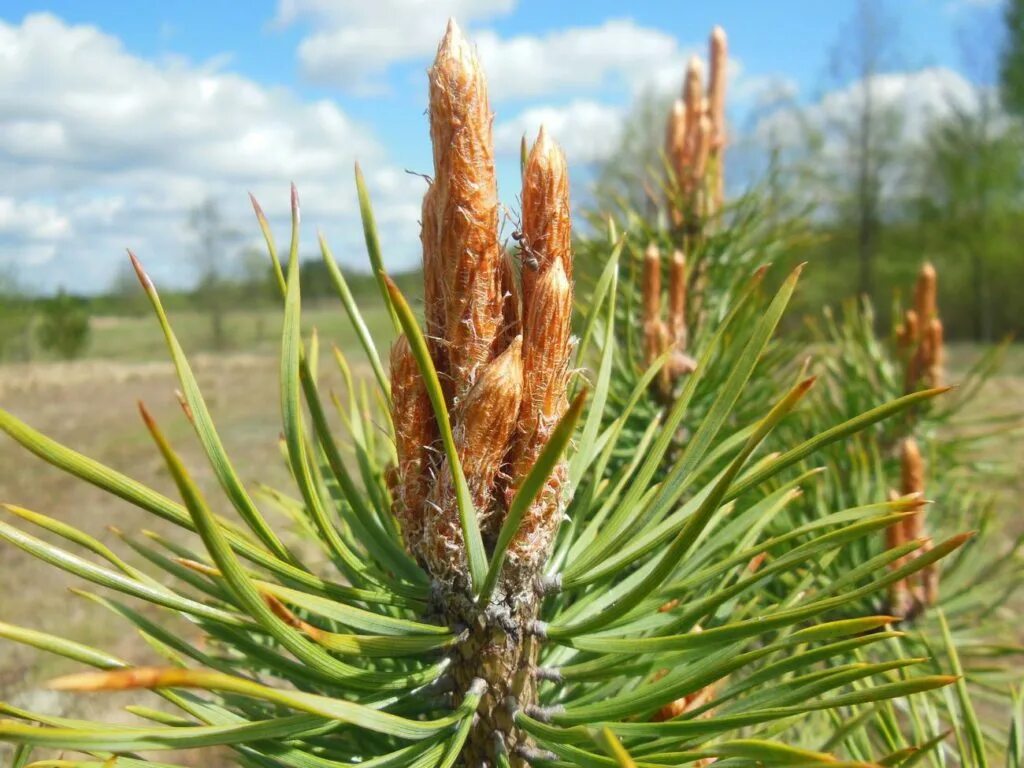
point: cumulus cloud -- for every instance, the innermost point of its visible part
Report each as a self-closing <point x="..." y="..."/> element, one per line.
<point x="907" y="105"/>
<point x="914" y="99"/>
<point x="617" y="52"/>
<point x="587" y="131"/>
<point x="109" y="150"/>
<point x="354" y="42"/>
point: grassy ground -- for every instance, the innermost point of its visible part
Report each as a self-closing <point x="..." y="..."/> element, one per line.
<point x="90" y="405"/>
<point x="138" y="339"/>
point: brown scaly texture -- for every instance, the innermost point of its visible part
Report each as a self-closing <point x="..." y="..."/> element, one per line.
<point x="912" y="472"/>
<point x="920" y="337"/>
<point x="921" y="334"/>
<point x="546" y="366"/>
<point x="546" y="221"/>
<point x="501" y="346"/>
<point x="488" y="420"/>
<point x="650" y="304"/>
<point x="695" y="139"/>
<point x="899" y="595"/>
<point x="679" y="363"/>
<point x="547" y="302"/>
<point x="933" y="370"/>
<point x="415" y="431"/>
<point x="463" y="218"/>
<point x="676" y="153"/>
<point x="677" y="300"/>
<point x="925" y="293"/>
<point x="716" y="109"/>
<point x="657" y="336"/>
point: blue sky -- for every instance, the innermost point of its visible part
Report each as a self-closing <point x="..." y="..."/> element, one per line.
<point x="116" y="117"/>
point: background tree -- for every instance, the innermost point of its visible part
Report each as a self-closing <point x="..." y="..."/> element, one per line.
<point x="866" y="135"/>
<point x="1011" y="70"/>
<point x="16" y="313"/>
<point x="64" y="326"/>
<point x="213" y="240"/>
<point x="969" y="193"/>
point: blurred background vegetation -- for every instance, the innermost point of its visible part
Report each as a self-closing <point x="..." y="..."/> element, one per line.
<point x="868" y="200"/>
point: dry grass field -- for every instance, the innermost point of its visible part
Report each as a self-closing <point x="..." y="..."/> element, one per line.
<point x="91" y="406"/>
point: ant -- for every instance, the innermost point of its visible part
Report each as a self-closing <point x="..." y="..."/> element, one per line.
<point x="527" y="255"/>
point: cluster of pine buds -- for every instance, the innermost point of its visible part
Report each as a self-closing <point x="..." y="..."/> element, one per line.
<point x="911" y="595"/>
<point x="498" y="334"/>
<point x="919" y="336"/>
<point x="661" y="336"/>
<point x="919" y="345"/>
<point x="695" y="140"/>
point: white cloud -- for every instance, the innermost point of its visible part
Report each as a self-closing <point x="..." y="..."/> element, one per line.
<point x="586" y="130"/>
<point x="907" y="106"/>
<point x="355" y="41"/>
<point x="101" y="150"/>
<point x="915" y="99"/>
<point x="578" y="58"/>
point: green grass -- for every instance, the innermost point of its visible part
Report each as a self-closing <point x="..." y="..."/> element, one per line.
<point x="138" y="339"/>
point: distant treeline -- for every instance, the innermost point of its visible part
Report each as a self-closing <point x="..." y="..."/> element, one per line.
<point x="33" y="327"/>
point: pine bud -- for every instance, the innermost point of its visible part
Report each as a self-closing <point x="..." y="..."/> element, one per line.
<point x="936" y="354"/>
<point x="651" y="291"/>
<point x="675" y="142"/>
<point x="925" y="302"/>
<point x="546" y="220"/>
<point x="546" y="350"/>
<point x="911" y="478"/>
<point x="899" y="596"/>
<point x="716" y="84"/>
<point x="415" y="431"/>
<point x="716" y="109"/>
<point x="693" y="91"/>
<point x="677" y="300"/>
<point x="464" y="202"/>
<point x="488" y="419"/>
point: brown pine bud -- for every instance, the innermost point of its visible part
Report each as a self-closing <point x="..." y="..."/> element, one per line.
<point x="656" y="340"/>
<point x="434" y="301"/>
<point x="912" y="471"/>
<point x="925" y="301"/>
<point x="703" y="148"/>
<point x="675" y="139"/>
<point x="936" y="354"/>
<point x="651" y="291"/>
<point x="415" y="431"/>
<point x="482" y="435"/>
<point x="677" y="300"/>
<point x="693" y="91"/>
<point x="912" y="338"/>
<point x="465" y="209"/>
<point x="899" y="594"/>
<point x="546" y="220"/>
<point x="716" y="85"/>
<point x="546" y="350"/>
<point x="716" y="108"/>
<point x="911" y="327"/>
<point x="911" y="482"/>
